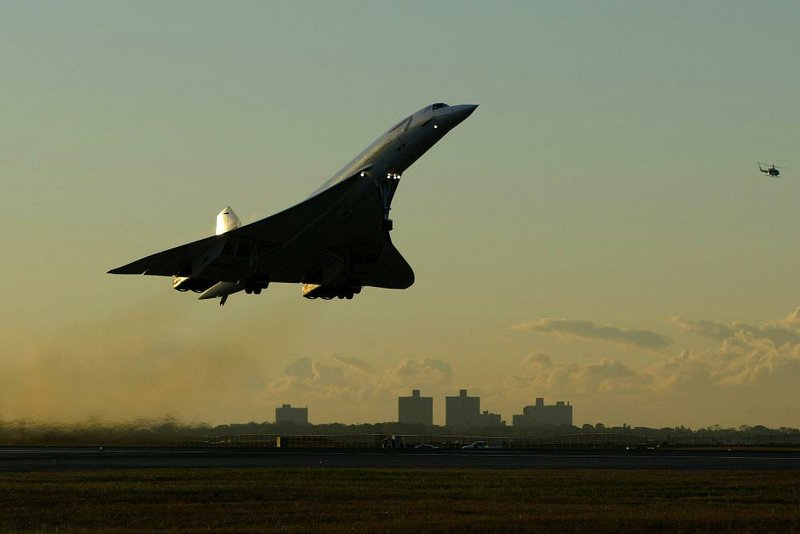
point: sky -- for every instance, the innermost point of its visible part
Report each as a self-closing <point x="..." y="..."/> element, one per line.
<point x="596" y="232"/>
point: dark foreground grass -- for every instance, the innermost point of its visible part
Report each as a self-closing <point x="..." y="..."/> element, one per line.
<point x="382" y="500"/>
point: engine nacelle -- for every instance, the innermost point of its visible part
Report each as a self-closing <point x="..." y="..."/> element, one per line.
<point x="186" y="283"/>
<point x="227" y="221"/>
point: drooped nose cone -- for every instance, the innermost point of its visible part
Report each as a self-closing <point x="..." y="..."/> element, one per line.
<point x="452" y="116"/>
<point x="464" y="110"/>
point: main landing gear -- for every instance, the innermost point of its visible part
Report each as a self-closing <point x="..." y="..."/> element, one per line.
<point x="344" y="291"/>
<point x="255" y="287"/>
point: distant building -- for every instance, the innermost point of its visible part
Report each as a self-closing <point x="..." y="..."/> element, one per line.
<point x="462" y="410"/>
<point x="415" y="410"/>
<point x="488" y="419"/>
<point x="466" y="411"/>
<point x="287" y="414"/>
<point x="559" y="413"/>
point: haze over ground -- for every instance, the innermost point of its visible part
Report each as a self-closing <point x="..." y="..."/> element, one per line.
<point x="596" y="232"/>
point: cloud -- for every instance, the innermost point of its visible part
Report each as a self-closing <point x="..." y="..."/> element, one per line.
<point x="538" y="361"/>
<point x="780" y="332"/>
<point x="306" y="375"/>
<point x="300" y="368"/>
<point x="589" y="330"/>
<point x="142" y="365"/>
<point x="751" y="376"/>
<point x="753" y="364"/>
<point x="346" y="388"/>
<point x="711" y="329"/>
<point x="607" y="375"/>
<point x="353" y="363"/>
<point x="428" y="371"/>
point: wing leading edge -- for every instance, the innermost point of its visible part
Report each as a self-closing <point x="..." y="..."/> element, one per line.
<point x="331" y="234"/>
<point x="334" y="242"/>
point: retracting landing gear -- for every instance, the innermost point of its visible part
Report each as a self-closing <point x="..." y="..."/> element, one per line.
<point x="343" y="291"/>
<point x="387" y="186"/>
<point x="255" y="287"/>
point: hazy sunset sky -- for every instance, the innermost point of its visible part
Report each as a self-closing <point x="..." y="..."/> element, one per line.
<point x="597" y="231"/>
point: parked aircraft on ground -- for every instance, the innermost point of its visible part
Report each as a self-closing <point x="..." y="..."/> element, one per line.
<point x="334" y="243"/>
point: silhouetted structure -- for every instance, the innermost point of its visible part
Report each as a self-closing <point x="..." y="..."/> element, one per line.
<point x="287" y="414"/>
<point x="559" y="413"/>
<point x="415" y="410"/>
<point x="466" y="411"/>
<point x="488" y="419"/>
<point x="461" y="410"/>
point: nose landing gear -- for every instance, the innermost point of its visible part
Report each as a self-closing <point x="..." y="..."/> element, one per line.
<point x="387" y="186"/>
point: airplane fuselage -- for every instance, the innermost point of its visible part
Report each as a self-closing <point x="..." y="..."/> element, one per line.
<point x="334" y="242"/>
<point x="403" y="144"/>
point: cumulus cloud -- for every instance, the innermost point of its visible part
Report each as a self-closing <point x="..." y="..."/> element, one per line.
<point x="706" y="328"/>
<point x="334" y="381"/>
<point x="327" y="376"/>
<point x="605" y="376"/>
<point x="428" y="371"/>
<point x="300" y="368"/>
<point x="140" y="365"/>
<point x="538" y="361"/>
<point x="749" y="355"/>
<point x="591" y="331"/>
<point x="539" y="372"/>
<point x="353" y="363"/>
<point x="780" y="332"/>
<point x="751" y="376"/>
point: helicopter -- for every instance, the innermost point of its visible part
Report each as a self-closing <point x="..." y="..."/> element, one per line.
<point x="772" y="171"/>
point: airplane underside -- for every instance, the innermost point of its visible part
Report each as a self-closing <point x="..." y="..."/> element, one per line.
<point x="334" y="243"/>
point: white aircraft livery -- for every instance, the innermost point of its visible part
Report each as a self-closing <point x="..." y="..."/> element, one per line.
<point x="334" y="243"/>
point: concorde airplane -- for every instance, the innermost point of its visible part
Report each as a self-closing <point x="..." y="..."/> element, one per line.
<point x="333" y="243"/>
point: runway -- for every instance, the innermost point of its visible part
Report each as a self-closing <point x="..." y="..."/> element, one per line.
<point x="96" y="458"/>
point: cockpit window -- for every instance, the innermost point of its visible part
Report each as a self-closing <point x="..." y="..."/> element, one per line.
<point x="402" y="124"/>
<point x="438" y="105"/>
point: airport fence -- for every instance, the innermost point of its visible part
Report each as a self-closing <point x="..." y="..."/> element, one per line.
<point x="573" y="441"/>
<point x="578" y="440"/>
<point x="715" y="440"/>
<point x="274" y="441"/>
<point x="597" y="440"/>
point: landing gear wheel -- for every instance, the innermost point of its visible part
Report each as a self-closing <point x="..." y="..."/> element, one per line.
<point x="387" y="225"/>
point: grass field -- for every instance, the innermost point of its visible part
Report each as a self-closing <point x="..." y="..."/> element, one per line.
<point x="375" y="500"/>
